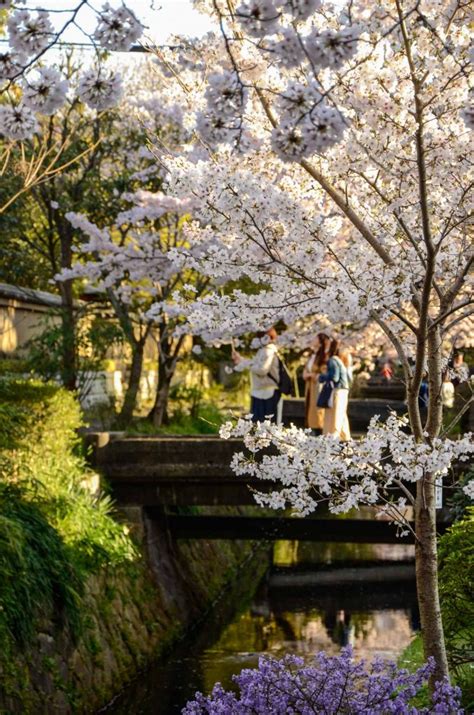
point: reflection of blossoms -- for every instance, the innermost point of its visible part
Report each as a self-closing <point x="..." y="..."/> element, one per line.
<point x="330" y="48"/>
<point x="17" y="122"/>
<point x="258" y="17"/>
<point x="47" y="92"/>
<point x="28" y="33"/>
<point x="100" y="89"/>
<point x="117" y="29"/>
<point x="11" y="64"/>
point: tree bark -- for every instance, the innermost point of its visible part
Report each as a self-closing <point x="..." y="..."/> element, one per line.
<point x="167" y="361"/>
<point x="69" y="376"/>
<point x="130" y="399"/>
<point x="159" y="413"/>
<point x="427" y="578"/>
<point x="425" y="520"/>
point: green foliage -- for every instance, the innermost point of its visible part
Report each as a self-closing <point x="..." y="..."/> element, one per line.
<point x="14" y="366"/>
<point x="459" y="502"/>
<point x="192" y="412"/>
<point x="37" y="577"/>
<point x="92" y="338"/>
<point x="456" y="579"/>
<point x="44" y="476"/>
<point x="456" y="583"/>
<point x="413" y="658"/>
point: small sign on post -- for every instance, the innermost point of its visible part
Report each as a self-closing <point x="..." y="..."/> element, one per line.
<point x="439" y="493"/>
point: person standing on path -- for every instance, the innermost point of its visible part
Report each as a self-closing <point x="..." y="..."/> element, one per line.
<point x="265" y="375"/>
<point x="314" y="415"/>
<point x="339" y="372"/>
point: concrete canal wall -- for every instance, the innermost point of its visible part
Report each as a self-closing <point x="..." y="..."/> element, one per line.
<point x="130" y="619"/>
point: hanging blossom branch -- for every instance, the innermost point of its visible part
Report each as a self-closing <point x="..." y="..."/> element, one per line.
<point x="346" y="475"/>
<point x="43" y="89"/>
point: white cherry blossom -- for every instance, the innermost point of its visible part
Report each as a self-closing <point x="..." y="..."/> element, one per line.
<point x="287" y="48"/>
<point x="329" y="48"/>
<point x="311" y="470"/>
<point x="11" y="64"/>
<point x="46" y="92"/>
<point x="29" y="33"/>
<point x="17" y="122"/>
<point x="258" y="17"/>
<point x="100" y="88"/>
<point x="118" y="28"/>
<point x="301" y="9"/>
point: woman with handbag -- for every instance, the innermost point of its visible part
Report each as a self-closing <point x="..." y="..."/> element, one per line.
<point x="335" y="392"/>
<point x="314" y="415"/>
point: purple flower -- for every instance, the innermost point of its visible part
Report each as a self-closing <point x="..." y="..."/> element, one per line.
<point x="331" y="684"/>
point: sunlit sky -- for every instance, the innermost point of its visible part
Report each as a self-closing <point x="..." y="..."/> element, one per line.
<point x="162" y="17"/>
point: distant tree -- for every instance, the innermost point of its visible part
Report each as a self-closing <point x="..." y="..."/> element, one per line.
<point x="106" y="154"/>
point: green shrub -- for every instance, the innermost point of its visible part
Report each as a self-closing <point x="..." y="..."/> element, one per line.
<point x="456" y="584"/>
<point x="13" y="366"/>
<point x="37" y="577"/>
<point x="43" y="477"/>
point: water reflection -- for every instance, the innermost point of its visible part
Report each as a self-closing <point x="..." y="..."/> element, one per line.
<point x="308" y="601"/>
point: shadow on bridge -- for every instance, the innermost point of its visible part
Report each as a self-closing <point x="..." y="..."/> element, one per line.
<point x="162" y="473"/>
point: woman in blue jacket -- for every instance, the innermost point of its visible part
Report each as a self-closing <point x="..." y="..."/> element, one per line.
<point x="339" y="372"/>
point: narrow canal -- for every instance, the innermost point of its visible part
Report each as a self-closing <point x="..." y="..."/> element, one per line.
<point x="313" y="597"/>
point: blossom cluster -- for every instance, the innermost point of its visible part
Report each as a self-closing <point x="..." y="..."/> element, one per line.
<point x="345" y="475"/>
<point x="273" y="225"/>
<point x="45" y="90"/>
<point x="140" y="256"/>
<point x="307" y="127"/>
<point x="328" y="684"/>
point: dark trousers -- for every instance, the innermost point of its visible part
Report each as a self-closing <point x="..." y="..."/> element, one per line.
<point x="265" y="409"/>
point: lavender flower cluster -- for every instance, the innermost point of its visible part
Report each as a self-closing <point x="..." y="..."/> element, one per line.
<point x="332" y="684"/>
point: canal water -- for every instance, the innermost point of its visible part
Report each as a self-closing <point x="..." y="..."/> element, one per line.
<point x="313" y="597"/>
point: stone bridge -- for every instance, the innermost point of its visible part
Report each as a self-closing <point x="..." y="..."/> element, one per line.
<point x="161" y="474"/>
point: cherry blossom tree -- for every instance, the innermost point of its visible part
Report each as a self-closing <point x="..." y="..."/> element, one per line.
<point x="332" y="169"/>
<point x="30" y="88"/>
<point x="140" y="261"/>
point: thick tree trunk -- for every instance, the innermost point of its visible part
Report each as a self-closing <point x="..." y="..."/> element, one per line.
<point x="130" y="400"/>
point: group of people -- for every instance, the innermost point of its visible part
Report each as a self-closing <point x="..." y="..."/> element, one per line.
<point x="330" y="363"/>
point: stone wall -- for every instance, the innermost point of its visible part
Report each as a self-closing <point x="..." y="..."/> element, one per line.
<point x="129" y="618"/>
